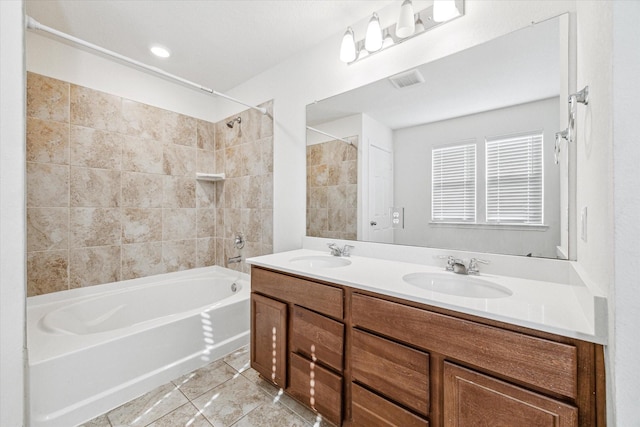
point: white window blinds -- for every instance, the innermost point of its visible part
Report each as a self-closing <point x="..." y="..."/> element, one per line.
<point x="514" y="179"/>
<point x="453" y="181"/>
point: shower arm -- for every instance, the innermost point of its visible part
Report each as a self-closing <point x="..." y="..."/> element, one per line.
<point x="32" y="24"/>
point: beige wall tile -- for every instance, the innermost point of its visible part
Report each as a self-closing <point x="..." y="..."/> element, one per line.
<point x="351" y="196"/>
<point x="95" y="148"/>
<point x="251" y="191"/>
<point x="233" y="162"/>
<point x="47" y="272"/>
<point x="337" y="220"/>
<point x="94" y="227"/>
<point x="142" y="190"/>
<point x="141" y="260"/>
<point x="179" y="255"/>
<point x="206" y="194"/>
<point x="267" y="191"/>
<point x="317" y="197"/>
<point x="47" y="141"/>
<point x="232" y="197"/>
<point x="47" y="185"/>
<point x="95" y="109"/>
<point x="232" y="223"/>
<point x="220" y="161"/>
<point x="251" y="224"/>
<point x="179" y="192"/>
<point x="206" y="162"/>
<point x="179" y="129"/>
<point x="206" y="252"/>
<point x="178" y="224"/>
<point x="206" y="135"/>
<point x="267" y="226"/>
<point x="141" y="225"/>
<point x="142" y="155"/>
<point x="47" y="229"/>
<point x="47" y="98"/>
<point x="179" y="160"/>
<point x="94" y="187"/>
<point x="142" y="120"/>
<point x="206" y="222"/>
<point x="336" y="197"/>
<point x="94" y="266"/>
<point x="251" y="154"/>
<point x="317" y="176"/>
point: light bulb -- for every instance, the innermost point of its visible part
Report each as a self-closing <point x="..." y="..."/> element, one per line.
<point x="419" y="24"/>
<point x="444" y="10"/>
<point x="373" y="39"/>
<point x="406" y="25"/>
<point x="348" y="47"/>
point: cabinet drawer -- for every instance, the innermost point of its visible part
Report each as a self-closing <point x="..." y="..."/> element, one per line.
<point x="472" y="399"/>
<point x="368" y="409"/>
<point x="541" y="363"/>
<point x="394" y="370"/>
<point x="315" y="296"/>
<point x="316" y="387"/>
<point x="317" y="337"/>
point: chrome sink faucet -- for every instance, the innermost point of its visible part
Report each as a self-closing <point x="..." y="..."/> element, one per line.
<point x="458" y="266"/>
<point x="336" y="251"/>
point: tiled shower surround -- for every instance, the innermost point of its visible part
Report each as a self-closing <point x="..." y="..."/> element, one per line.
<point x="112" y="191"/>
<point x="332" y="189"/>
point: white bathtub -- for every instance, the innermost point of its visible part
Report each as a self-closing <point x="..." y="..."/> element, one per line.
<point x="93" y="349"/>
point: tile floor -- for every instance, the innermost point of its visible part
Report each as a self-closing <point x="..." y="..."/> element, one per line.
<point x="224" y="393"/>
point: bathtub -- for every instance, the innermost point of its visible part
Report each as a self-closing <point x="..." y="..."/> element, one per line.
<point x="93" y="349"/>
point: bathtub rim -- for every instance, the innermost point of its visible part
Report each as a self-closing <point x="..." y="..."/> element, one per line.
<point x="52" y="345"/>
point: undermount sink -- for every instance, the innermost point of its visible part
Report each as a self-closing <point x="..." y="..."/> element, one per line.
<point x="320" y="261"/>
<point x="452" y="284"/>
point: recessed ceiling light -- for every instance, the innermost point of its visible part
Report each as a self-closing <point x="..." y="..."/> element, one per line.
<point x="160" y="51"/>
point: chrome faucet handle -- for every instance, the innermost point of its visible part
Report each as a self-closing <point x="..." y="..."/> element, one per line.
<point x="335" y="250"/>
<point x="473" y="265"/>
<point x="450" y="261"/>
<point x="346" y="251"/>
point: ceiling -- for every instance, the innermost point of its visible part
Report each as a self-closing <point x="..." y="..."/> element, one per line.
<point x="215" y="43"/>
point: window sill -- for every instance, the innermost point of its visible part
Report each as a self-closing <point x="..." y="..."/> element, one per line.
<point x="489" y="226"/>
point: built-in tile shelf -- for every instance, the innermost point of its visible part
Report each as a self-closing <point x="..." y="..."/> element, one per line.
<point x="210" y="176"/>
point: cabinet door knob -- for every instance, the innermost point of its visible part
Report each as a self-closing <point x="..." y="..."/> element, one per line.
<point x="372" y="223"/>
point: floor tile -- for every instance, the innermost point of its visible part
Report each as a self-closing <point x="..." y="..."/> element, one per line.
<point x="239" y="359"/>
<point x="185" y="416"/>
<point x="148" y="407"/>
<point x="230" y="401"/>
<point x="204" y="379"/>
<point x="101" y="421"/>
<point x="271" y="415"/>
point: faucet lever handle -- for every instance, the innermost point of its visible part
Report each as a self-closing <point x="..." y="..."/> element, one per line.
<point x="473" y="265"/>
<point x="346" y="251"/>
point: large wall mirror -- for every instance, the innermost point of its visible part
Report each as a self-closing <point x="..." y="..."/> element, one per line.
<point x="455" y="154"/>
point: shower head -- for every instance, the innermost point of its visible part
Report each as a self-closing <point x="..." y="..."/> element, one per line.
<point x="230" y="123"/>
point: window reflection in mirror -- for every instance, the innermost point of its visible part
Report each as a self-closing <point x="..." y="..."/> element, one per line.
<point x="503" y="98"/>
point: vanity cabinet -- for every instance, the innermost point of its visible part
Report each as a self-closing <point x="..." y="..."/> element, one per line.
<point x="310" y="318"/>
<point x="365" y="359"/>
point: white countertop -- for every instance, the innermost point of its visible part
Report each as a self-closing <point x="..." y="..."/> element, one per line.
<point x="544" y="306"/>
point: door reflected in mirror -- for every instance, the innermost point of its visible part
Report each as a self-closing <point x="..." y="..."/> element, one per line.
<point x="458" y="154"/>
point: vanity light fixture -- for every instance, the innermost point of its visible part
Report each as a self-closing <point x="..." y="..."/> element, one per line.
<point x="406" y="24"/>
<point x="373" y="39"/>
<point x="160" y="51"/>
<point x="409" y="25"/>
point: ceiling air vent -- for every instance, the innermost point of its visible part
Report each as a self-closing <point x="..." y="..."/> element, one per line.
<point x="408" y="78"/>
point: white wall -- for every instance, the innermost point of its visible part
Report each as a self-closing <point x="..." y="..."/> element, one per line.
<point x="341" y="128"/>
<point x="626" y="201"/>
<point x="12" y="214"/>
<point x="413" y="181"/>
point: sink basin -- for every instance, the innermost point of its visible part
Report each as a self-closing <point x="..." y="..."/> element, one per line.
<point x="452" y="284"/>
<point x="320" y="261"/>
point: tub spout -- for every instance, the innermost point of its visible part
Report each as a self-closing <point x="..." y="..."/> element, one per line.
<point x="234" y="259"/>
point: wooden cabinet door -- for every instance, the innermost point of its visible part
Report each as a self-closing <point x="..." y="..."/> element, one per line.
<point x="269" y="339"/>
<point x="472" y="399"/>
